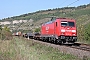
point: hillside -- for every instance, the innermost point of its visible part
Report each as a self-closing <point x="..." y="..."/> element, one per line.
<point x="81" y="14"/>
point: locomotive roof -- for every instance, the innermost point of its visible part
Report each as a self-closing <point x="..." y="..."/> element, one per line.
<point x="65" y="18"/>
<point x="52" y="20"/>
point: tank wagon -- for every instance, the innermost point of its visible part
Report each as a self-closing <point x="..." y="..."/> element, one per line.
<point x="59" y="30"/>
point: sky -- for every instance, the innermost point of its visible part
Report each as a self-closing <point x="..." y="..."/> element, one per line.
<point x="10" y="8"/>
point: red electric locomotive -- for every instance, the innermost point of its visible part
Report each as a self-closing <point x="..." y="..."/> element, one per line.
<point x="59" y="30"/>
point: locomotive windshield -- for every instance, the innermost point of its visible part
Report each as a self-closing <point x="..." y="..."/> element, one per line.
<point x="71" y="24"/>
<point x="64" y="23"/>
<point x="67" y="23"/>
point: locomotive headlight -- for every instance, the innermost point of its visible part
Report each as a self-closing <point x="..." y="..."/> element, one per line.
<point x="62" y="30"/>
<point x="73" y="30"/>
<point x="74" y="34"/>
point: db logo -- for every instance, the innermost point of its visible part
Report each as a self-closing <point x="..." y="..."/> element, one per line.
<point x="47" y="28"/>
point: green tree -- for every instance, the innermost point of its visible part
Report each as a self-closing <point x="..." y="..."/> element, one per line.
<point x="0" y="32"/>
<point x="0" y="28"/>
<point x="37" y="30"/>
<point x="5" y="33"/>
<point x="6" y="29"/>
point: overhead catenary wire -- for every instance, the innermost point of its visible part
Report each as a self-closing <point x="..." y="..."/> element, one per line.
<point x="63" y="2"/>
<point x="72" y="3"/>
<point x="68" y="4"/>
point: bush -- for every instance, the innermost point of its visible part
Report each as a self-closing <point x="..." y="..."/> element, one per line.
<point x="5" y="34"/>
<point x="37" y="30"/>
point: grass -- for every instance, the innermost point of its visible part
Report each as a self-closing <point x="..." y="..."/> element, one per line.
<point x="20" y="49"/>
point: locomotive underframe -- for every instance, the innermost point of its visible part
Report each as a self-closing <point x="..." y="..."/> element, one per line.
<point x="59" y="39"/>
<point x="70" y="39"/>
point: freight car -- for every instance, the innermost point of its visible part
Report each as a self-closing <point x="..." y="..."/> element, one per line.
<point x="17" y="33"/>
<point x="37" y="36"/>
<point x="25" y="35"/>
<point x="59" y="30"/>
<point x="30" y="35"/>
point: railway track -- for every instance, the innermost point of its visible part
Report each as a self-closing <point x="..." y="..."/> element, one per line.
<point x="78" y="49"/>
<point x="82" y="46"/>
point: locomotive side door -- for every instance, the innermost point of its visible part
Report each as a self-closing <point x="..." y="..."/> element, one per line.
<point x="56" y="28"/>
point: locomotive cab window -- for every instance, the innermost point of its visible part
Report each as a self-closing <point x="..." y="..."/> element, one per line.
<point x="64" y="23"/>
<point x="71" y="24"/>
<point x="67" y="23"/>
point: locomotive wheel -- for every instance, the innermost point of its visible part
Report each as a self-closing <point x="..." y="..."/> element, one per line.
<point x="49" y="39"/>
<point x="59" y="42"/>
<point x="34" y="38"/>
<point x="55" y="41"/>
